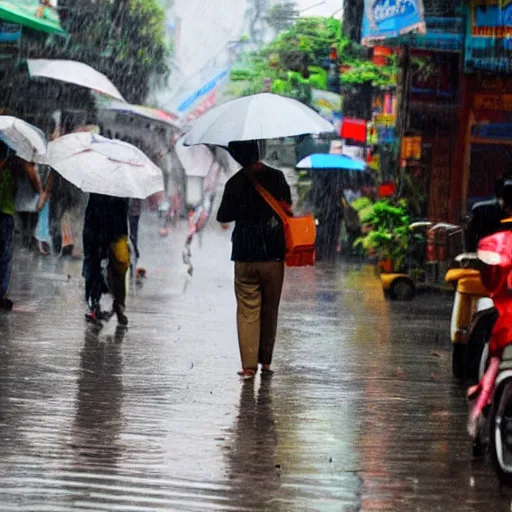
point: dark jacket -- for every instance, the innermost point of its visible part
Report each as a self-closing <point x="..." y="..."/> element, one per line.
<point x="258" y="234"/>
<point x="106" y="220"/>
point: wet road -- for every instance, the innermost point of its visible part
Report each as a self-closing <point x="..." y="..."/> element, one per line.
<point x="361" y="415"/>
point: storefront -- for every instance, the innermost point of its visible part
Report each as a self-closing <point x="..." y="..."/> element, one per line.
<point x="487" y="117"/>
<point x="431" y="36"/>
<point x="485" y="139"/>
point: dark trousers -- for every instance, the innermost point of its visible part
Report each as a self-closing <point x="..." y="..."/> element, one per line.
<point x="95" y="285"/>
<point x="134" y="233"/>
<point x="258" y="288"/>
<point x="6" y="252"/>
<point x="28" y="221"/>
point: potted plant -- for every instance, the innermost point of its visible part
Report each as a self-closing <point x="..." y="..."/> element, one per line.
<point x="387" y="234"/>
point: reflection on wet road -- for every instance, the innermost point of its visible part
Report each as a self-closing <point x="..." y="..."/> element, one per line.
<point x="362" y="413"/>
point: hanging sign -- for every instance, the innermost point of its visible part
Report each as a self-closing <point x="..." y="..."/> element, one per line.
<point x="388" y="19"/>
<point x="489" y="36"/>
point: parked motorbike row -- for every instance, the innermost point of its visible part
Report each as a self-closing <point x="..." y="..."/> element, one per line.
<point x="481" y="333"/>
<point x="481" y="325"/>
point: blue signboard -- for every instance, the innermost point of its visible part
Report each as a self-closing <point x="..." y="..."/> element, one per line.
<point x="203" y="91"/>
<point x="489" y="36"/>
<point x="9" y="32"/>
<point x="388" y="19"/>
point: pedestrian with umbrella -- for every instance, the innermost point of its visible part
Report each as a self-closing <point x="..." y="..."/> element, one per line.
<point x="21" y="145"/>
<point x="258" y="200"/>
<point x="330" y="176"/>
<point x="112" y="172"/>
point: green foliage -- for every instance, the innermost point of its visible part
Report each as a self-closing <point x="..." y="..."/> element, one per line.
<point x="124" y="39"/>
<point x="362" y="72"/>
<point x="310" y="38"/>
<point x="299" y="56"/>
<point x="361" y="203"/>
<point x="294" y="61"/>
<point x="389" y="235"/>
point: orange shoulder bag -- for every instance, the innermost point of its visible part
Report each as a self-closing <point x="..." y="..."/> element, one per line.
<point x="299" y="232"/>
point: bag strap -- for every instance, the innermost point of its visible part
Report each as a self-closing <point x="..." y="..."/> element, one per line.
<point x="267" y="196"/>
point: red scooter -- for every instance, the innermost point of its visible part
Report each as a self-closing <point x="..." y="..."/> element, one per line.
<point x="490" y="416"/>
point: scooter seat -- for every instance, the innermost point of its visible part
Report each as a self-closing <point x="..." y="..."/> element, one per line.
<point x="472" y="286"/>
<point x="456" y="274"/>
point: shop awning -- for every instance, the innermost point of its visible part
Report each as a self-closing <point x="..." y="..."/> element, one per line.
<point x="31" y="14"/>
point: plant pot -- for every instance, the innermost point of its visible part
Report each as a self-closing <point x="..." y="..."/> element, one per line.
<point x="386" y="266"/>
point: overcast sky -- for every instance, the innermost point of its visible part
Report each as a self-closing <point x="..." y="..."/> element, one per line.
<point x="327" y="8"/>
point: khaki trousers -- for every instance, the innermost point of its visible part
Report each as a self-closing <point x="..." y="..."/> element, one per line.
<point x="258" y="288"/>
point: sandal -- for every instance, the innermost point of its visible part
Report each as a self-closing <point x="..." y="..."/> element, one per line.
<point x="247" y="374"/>
<point x="266" y="371"/>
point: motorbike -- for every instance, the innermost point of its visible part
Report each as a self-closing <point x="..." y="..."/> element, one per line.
<point x="490" y="417"/>
<point x="432" y="250"/>
<point x="472" y="319"/>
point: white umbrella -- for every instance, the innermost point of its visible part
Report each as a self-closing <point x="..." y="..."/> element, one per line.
<point x="99" y="165"/>
<point x="74" y="72"/>
<point x="261" y="116"/>
<point x="27" y="141"/>
<point x="196" y="160"/>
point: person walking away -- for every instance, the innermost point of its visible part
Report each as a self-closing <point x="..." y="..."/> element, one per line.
<point x="105" y="236"/>
<point x="10" y="168"/>
<point x="258" y="252"/>
<point x="67" y="202"/>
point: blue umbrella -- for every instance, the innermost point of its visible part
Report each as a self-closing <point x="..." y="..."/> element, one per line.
<point x="333" y="162"/>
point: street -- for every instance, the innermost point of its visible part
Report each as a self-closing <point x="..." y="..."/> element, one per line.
<point x="362" y="413"/>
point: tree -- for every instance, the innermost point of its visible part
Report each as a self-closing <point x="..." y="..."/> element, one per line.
<point x="298" y="60"/>
<point x="282" y="16"/>
<point x="124" y="39"/>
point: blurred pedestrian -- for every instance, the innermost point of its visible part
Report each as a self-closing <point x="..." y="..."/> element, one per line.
<point x="258" y="252"/>
<point x="11" y="167"/>
<point x="26" y="206"/>
<point x="105" y="237"/>
<point x="68" y="203"/>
